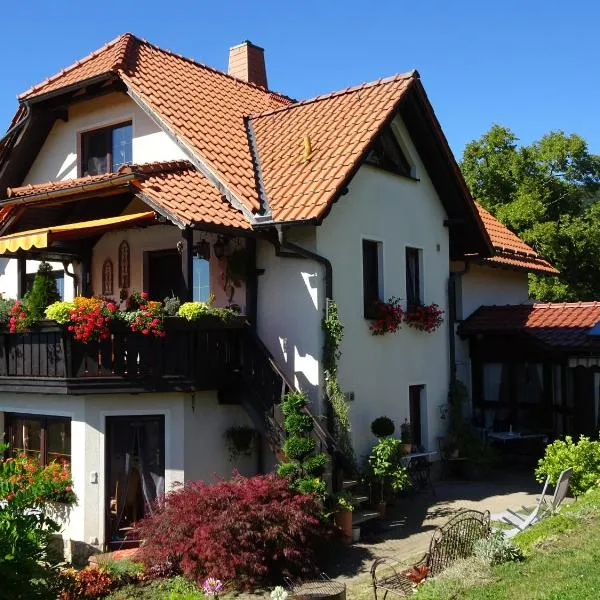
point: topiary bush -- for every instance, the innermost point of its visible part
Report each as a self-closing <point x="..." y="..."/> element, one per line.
<point x="42" y="294"/>
<point x="245" y="531"/>
<point x="583" y="456"/>
<point x="304" y="466"/>
<point x="383" y="427"/>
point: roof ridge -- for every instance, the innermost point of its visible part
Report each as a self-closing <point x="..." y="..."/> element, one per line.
<point x="212" y="69"/>
<point x="349" y="90"/>
<point x="123" y="37"/>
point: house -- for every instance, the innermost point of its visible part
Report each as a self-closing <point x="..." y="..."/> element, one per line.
<point x="139" y="169"/>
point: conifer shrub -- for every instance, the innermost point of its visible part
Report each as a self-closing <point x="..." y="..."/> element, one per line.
<point x="42" y="294"/>
<point x="245" y="531"/>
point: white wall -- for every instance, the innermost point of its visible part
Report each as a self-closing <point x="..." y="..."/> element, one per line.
<point x="290" y="308"/>
<point x="399" y="212"/>
<point x="57" y="158"/>
<point x="9" y="277"/>
<point x="194" y="444"/>
<point x="483" y="286"/>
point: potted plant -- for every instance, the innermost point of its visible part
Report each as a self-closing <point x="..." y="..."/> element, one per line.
<point x="386" y="473"/>
<point x="383" y="427"/>
<point x="240" y="440"/>
<point x="345" y="505"/>
<point x="406" y="437"/>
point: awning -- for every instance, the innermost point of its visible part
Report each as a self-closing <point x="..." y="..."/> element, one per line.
<point x="42" y="238"/>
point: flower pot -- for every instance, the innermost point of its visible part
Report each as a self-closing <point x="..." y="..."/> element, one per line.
<point x="380" y="508"/>
<point x="406" y="448"/>
<point x="343" y="520"/>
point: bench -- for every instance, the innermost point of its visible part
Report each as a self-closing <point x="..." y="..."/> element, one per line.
<point x="449" y="543"/>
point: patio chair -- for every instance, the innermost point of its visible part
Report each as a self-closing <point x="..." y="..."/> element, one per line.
<point x="542" y="509"/>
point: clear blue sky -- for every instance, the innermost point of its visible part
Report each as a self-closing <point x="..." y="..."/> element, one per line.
<point x="531" y="65"/>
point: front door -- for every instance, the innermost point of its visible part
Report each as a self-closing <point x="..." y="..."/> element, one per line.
<point x="135" y="472"/>
<point x="165" y="277"/>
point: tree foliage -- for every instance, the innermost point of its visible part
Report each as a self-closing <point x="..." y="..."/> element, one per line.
<point x="548" y="193"/>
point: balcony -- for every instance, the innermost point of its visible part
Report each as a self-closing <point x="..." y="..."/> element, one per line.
<point x="211" y="355"/>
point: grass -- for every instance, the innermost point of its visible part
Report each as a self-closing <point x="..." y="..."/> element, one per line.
<point x="174" y="588"/>
<point x="562" y="556"/>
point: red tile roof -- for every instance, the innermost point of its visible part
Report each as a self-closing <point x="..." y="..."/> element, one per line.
<point x="176" y="186"/>
<point x="510" y="250"/>
<point x="335" y="128"/>
<point x="558" y="325"/>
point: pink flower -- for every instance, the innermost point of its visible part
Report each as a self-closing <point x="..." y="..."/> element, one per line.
<point x="212" y="586"/>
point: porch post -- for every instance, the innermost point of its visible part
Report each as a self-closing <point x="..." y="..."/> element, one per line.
<point x="86" y="274"/>
<point x="21" y="274"/>
<point x="187" y="271"/>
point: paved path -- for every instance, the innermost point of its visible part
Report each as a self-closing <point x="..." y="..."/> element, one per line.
<point x="406" y="531"/>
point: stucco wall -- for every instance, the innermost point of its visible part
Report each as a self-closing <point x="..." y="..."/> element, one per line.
<point x="194" y="444"/>
<point x="481" y="286"/>
<point x="57" y="158"/>
<point x="399" y="212"/>
<point x="290" y="308"/>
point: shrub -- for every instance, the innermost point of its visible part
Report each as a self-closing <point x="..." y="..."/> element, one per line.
<point x="385" y="468"/>
<point x="194" y="311"/>
<point x="583" y="456"/>
<point x="5" y="311"/>
<point x="496" y="549"/>
<point x="171" y="306"/>
<point x="43" y="292"/>
<point x="91" y="582"/>
<point x="244" y="531"/>
<point x="383" y="427"/>
<point x="59" y="312"/>
<point x="304" y="467"/>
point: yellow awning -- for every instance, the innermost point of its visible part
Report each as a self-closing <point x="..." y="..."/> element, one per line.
<point x="42" y="238"/>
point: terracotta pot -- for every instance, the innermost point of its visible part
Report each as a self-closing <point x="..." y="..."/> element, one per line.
<point x="406" y="448"/>
<point x="380" y="508"/>
<point x="343" y="519"/>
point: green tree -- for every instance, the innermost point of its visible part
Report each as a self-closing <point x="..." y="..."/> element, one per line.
<point x="547" y="192"/>
<point x="43" y="293"/>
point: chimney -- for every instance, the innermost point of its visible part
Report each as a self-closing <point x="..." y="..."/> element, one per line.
<point x="247" y="62"/>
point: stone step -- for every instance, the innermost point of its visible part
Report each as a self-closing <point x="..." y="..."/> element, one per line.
<point x="362" y="516"/>
<point x="349" y="483"/>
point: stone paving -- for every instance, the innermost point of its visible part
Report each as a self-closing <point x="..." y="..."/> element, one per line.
<point x="409" y="524"/>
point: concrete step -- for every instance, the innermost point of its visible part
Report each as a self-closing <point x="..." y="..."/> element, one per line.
<point x="349" y="483"/>
<point x="360" y="499"/>
<point x="362" y="516"/>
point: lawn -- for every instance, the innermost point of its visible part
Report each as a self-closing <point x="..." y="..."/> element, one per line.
<point x="562" y="557"/>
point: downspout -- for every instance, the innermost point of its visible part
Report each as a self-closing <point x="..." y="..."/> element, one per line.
<point x="18" y="125"/>
<point x="453" y="280"/>
<point x="73" y="276"/>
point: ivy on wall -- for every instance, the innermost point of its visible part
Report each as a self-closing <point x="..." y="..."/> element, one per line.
<point x="334" y="334"/>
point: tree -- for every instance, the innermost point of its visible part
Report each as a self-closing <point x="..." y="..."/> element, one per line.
<point x="43" y="293"/>
<point x="548" y="193"/>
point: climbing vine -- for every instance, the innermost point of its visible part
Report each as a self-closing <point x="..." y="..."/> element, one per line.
<point x="334" y="334"/>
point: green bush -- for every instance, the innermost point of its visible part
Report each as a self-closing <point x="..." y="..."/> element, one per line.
<point x="298" y="448"/>
<point x="5" y="314"/>
<point x="583" y="456"/>
<point x="385" y="469"/>
<point x="316" y="464"/>
<point x="383" y="427"/>
<point x="496" y="549"/>
<point x="42" y="294"/>
<point x="59" y="312"/>
<point x="298" y="424"/>
<point x="194" y="311"/>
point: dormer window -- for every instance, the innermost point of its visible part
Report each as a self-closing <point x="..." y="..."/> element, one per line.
<point x="105" y="150"/>
<point x="387" y="154"/>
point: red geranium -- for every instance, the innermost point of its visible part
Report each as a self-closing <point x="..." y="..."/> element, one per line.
<point x="19" y="319"/>
<point x="424" y="317"/>
<point x="389" y="317"/>
<point x="149" y="317"/>
<point x="90" y="319"/>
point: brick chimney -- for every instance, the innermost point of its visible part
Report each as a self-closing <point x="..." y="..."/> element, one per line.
<point x="247" y="62"/>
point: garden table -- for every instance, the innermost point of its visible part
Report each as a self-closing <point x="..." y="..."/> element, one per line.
<point x="418" y="465"/>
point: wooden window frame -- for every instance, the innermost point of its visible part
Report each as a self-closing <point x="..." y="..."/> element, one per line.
<point x="372" y="279"/>
<point x="11" y="417"/>
<point x="108" y="132"/>
<point x="414" y="298"/>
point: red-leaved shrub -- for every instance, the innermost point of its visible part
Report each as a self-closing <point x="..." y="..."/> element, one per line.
<point x="244" y="531"/>
<point x="91" y="582"/>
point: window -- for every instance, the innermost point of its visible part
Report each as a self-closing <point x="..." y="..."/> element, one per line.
<point x="201" y="279"/>
<point x="42" y="437"/>
<point x="105" y="150"/>
<point x="414" y="399"/>
<point x="413" y="277"/>
<point x="372" y="277"/>
<point x="386" y="154"/>
<point x="59" y="278"/>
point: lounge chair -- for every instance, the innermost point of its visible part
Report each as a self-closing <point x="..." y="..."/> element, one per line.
<point x="542" y="509"/>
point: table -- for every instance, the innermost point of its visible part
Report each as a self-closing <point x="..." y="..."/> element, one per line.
<point x="418" y="466"/>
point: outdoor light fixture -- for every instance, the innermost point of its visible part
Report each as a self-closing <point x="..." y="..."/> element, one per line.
<point x="219" y="247"/>
<point x="202" y="250"/>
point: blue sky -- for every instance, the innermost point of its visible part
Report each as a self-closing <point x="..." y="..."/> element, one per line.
<point x="529" y="65"/>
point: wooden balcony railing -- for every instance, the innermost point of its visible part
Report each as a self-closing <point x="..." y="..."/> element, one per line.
<point x="191" y="356"/>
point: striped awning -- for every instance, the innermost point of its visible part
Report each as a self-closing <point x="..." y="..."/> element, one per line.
<point x="43" y="238"/>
